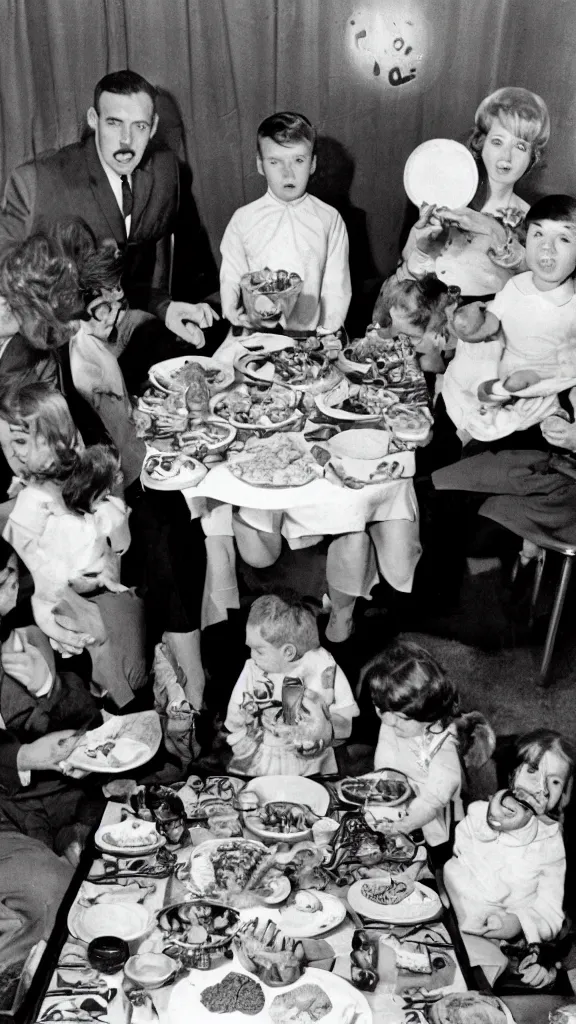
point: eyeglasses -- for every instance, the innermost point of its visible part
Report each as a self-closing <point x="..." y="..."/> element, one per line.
<point x="101" y="310"/>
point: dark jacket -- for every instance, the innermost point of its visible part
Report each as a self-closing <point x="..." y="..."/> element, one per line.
<point x="73" y="183"/>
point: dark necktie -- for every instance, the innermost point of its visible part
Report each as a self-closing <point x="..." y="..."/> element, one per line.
<point x="127" y="199"/>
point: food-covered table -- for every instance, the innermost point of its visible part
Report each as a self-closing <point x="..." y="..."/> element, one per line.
<point x="312" y="931"/>
<point x="279" y="453"/>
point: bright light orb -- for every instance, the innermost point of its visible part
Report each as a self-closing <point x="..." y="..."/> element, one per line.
<point x="388" y="42"/>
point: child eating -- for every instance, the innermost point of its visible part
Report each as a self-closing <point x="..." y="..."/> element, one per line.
<point x="288" y="229"/>
<point x="417" y="706"/>
<point x="537" y="311"/>
<point x="292" y="702"/>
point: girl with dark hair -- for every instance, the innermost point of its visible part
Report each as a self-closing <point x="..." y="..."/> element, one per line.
<point x="417" y="705"/>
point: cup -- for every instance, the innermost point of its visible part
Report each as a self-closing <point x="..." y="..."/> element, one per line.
<point x="323" y="831"/>
<point x="108" y="954"/>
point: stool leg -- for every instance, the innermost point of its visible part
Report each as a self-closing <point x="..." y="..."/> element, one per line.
<point x="538" y="573"/>
<point x="555" y="619"/>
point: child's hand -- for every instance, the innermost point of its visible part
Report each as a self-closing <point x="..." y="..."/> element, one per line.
<point x="25" y="663"/>
<point x="310" y="750"/>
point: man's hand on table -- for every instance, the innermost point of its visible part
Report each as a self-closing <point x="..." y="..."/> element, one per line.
<point x="187" y="319"/>
<point x="47" y="752"/>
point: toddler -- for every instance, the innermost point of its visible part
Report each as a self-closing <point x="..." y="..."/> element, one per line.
<point x="288" y="229"/>
<point x="417" y="706"/>
<point x="70" y="532"/>
<point x="418" y="309"/>
<point x="537" y="311"/>
<point x="292" y="702"/>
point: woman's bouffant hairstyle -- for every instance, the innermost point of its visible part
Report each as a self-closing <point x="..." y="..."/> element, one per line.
<point x="521" y="112"/>
<point x="405" y="678"/>
<point x="85" y="473"/>
<point x="99" y="266"/>
<point x="285" y="620"/>
<point x="41" y="287"/>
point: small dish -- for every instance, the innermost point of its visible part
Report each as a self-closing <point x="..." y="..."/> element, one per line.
<point x="421" y="904"/>
<point x="129" y="838"/>
<point x="107" y="954"/>
<point x="150" y="970"/>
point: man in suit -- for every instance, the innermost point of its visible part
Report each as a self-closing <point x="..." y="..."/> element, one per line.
<point x="122" y="187"/>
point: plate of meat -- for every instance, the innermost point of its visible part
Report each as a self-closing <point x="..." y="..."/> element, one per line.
<point x="394" y="900"/>
<point x="175" y="375"/>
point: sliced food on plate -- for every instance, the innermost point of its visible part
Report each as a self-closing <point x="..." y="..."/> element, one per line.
<point x="177" y="374"/>
<point x="257" y="406"/>
<point x="240" y="870"/>
<point x="283" y="460"/>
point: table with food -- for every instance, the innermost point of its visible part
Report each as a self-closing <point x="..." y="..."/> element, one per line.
<point x="294" y="436"/>
<point x="277" y="899"/>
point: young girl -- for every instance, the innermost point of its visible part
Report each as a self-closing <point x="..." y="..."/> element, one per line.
<point x="292" y="702"/>
<point x="70" y="532"/>
<point x="417" y="706"/>
<point x="418" y="309"/>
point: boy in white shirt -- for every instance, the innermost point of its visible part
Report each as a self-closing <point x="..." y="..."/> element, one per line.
<point x="288" y="229"/>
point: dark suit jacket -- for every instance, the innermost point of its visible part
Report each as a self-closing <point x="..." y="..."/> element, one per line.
<point x="72" y="183"/>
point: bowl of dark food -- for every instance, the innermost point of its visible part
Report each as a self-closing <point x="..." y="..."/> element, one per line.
<point x="195" y="930"/>
<point x="268" y="295"/>
<point x="386" y="786"/>
<point x="281" y="821"/>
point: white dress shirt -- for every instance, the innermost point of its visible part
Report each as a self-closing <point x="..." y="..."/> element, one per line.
<point x="306" y="237"/>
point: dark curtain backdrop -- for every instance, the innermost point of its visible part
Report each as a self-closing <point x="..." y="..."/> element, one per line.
<point x="376" y="76"/>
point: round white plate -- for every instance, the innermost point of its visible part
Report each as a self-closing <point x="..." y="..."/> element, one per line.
<point x="293" y="788"/>
<point x="421" y="905"/>
<point x="79" y="758"/>
<point x="328" y="406"/>
<point x="441" y="171"/>
<point x="299" y="924"/>
<point x="185" y="1004"/>
<point x="543" y="389"/>
<point x="369" y="777"/>
<point x="367" y="444"/>
<point x="170" y="366"/>
<point x="129" y="921"/>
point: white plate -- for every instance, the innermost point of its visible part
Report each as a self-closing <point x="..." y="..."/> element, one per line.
<point x="327" y="404"/>
<point x="122" y="829"/>
<point x="543" y="389"/>
<point x="292" y="397"/>
<point x="169" y="366"/>
<point x="143" y="727"/>
<point x="185" y="1002"/>
<point x="421" y="905"/>
<point x="360" y="444"/>
<point x="299" y="924"/>
<point x="441" y="171"/>
<point x="374" y="777"/>
<point x="293" y="788"/>
<point x="129" y="921"/>
<point x="187" y="476"/>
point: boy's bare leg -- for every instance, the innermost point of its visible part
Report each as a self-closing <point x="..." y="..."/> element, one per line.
<point x="186" y="649"/>
<point x="350" y="572"/>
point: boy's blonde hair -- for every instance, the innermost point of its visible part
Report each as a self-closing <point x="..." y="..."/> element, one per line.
<point x="285" y="620"/>
<point x="521" y="112"/>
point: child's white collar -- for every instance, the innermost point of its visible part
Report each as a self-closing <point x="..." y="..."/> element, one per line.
<point x="292" y="202"/>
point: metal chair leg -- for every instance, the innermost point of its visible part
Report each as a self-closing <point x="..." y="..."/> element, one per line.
<point x="555" y="619"/>
<point x="538" y="573"/>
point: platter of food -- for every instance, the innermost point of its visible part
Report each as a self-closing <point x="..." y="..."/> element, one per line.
<point x="412" y="424"/>
<point x="441" y="171"/>
<point x="469" y="1007"/>
<point x="281" y="460"/>
<point x="311" y="914"/>
<point x="359" y="403"/>
<point x="386" y="786"/>
<point x="129" y="838"/>
<point x="301" y="364"/>
<point x="281" y="820"/>
<point x="171" y="471"/>
<point x="296" y="788"/>
<point x="174" y="375"/>
<point x="231" y="994"/>
<point x="259" y="407"/>
<point x="124" y="742"/>
<point x="240" y="872"/>
<point x="394" y="900"/>
<point x="197" y="923"/>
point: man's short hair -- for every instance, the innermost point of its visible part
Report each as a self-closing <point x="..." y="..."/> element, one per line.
<point x="287" y="127"/>
<point x="556" y="207"/>
<point x="124" y="83"/>
<point x="285" y="620"/>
